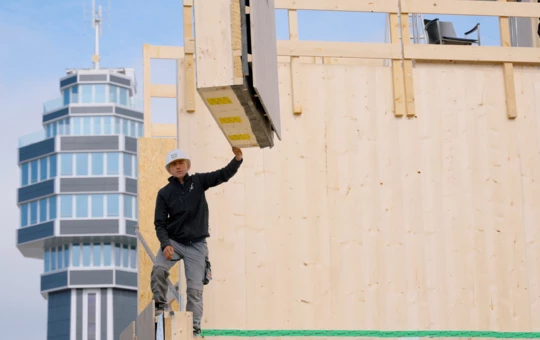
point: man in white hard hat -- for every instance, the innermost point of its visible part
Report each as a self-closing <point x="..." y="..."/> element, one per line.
<point x="181" y="222"/>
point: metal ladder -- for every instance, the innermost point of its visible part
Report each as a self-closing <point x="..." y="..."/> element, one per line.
<point x="417" y="32"/>
<point x="416" y="25"/>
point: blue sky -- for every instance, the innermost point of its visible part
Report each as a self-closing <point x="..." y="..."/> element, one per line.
<point x="40" y="39"/>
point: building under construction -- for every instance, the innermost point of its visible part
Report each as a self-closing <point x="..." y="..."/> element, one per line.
<point x="386" y="187"/>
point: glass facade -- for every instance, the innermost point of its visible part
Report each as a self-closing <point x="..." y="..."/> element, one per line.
<point x="97" y="164"/>
<point x="90" y="255"/>
<point x="38" y="211"/>
<point x="97" y="206"/>
<point x="97" y="94"/>
<point x="94" y="126"/>
<point x="84" y="164"/>
<point x="38" y="170"/>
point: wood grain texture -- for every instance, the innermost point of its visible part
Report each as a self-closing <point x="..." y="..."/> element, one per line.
<point x="214" y="64"/>
<point x="361" y="220"/>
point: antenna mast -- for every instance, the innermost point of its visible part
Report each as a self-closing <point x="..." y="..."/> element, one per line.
<point x="96" y="24"/>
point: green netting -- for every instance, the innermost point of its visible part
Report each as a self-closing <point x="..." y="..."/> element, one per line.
<point x="372" y="334"/>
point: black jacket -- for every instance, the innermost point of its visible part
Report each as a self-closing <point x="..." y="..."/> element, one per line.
<point x="182" y="210"/>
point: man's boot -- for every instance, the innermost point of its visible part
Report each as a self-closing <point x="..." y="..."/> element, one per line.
<point x="195" y="305"/>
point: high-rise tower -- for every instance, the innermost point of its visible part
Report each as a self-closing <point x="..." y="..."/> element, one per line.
<point x="78" y="201"/>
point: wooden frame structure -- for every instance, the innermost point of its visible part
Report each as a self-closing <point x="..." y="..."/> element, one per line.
<point x="400" y="50"/>
<point x="184" y="90"/>
<point x="295" y="55"/>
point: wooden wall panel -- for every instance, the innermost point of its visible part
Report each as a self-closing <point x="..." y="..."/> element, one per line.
<point x="213" y="45"/>
<point x="362" y="220"/>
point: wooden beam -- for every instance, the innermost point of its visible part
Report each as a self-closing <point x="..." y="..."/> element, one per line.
<point x="471" y="7"/>
<point x="508" y="69"/>
<point x="499" y="54"/>
<point x="495" y="54"/>
<point x="163" y="130"/>
<point x="376" y="6"/>
<point x="189" y="59"/>
<point x="407" y="68"/>
<point x="338" y="49"/>
<point x="182" y="326"/>
<point x="162" y="91"/>
<point x="398" y="82"/>
<point x="449" y="7"/>
<point x="164" y="52"/>
<point x="296" y="77"/>
<point x="147" y="109"/>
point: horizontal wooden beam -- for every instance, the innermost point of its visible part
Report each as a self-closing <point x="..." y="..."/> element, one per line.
<point x="447" y="7"/>
<point x="524" y="55"/>
<point x="471" y="7"/>
<point x="497" y="54"/>
<point x="163" y="130"/>
<point x="162" y="90"/>
<point x="375" y="6"/>
<point x="163" y="52"/>
<point x="338" y="49"/>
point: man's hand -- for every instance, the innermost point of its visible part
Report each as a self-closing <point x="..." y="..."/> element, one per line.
<point x="237" y="153"/>
<point x="168" y="252"/>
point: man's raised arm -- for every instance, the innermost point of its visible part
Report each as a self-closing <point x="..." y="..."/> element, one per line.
<point x="212" y="179"/>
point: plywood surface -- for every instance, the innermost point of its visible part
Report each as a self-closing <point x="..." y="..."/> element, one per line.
<point x="361" y="220"/>
<point x="152" y="177"/>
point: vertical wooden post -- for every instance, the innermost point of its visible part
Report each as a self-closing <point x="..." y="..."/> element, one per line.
<point x="182" y="326"/>
<point x="397" y="70"/>
<point x="147" y="110"/>
<point x="508" y="70"/>
<point x="295" y="64"/>
<point x="189" y="60"/>
<point x="407" y="67"/>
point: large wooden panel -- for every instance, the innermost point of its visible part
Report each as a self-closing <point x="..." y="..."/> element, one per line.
<point x="361" y="220"/>
<point x="264" y="53"/>
<point x="213" y="43"/>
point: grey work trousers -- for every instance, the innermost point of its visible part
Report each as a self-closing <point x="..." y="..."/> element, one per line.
<point x="194" y="256"/>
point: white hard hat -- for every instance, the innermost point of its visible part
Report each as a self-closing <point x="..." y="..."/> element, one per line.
<point x="174" y="155"/>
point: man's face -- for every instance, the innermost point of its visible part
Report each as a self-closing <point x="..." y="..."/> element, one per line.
<point x="179" y="168"/>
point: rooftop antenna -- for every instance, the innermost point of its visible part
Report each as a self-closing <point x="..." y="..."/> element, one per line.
<point x="97" y="20"/>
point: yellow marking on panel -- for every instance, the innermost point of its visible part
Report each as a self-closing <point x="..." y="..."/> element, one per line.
<point x="230" y="120"/>
<point x="243" y="136"/>
<point x="219" y="101"/>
